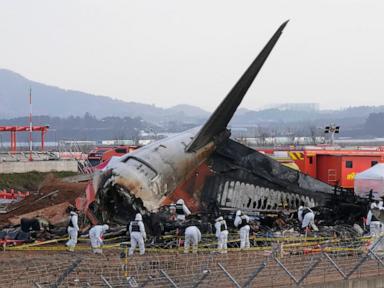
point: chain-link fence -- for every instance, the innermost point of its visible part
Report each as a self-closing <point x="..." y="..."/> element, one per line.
<point x="270" y="262"/>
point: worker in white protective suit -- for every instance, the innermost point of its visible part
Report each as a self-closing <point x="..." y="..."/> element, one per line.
<point x="181" y="210"/>
<point x="96" y="235"/>
<point x="221" y="234"/>
<point x="373" y="223"/>
<point x="241" y="222"/>
<point x="306" y="218"/>
<point x="376" y="228"/>
<point x="73" y="230"/>
<point x="192" y="236"/>
<point x="138" y="235"/>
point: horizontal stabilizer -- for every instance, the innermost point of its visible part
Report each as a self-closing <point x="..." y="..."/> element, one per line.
<point x="219" y="120"/>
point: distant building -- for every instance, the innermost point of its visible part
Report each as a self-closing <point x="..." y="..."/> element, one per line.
<point x="297" y="106"/>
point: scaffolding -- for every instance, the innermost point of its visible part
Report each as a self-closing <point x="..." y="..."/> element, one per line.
<point x="14" y="129"/>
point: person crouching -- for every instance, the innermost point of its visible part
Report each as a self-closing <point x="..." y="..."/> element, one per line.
<point x="96" y="235"/>
<point x="192" y="236"/>
<point x="306" y="218"/>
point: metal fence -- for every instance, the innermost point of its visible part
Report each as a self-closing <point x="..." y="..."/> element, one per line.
<point x="279" y="263"/>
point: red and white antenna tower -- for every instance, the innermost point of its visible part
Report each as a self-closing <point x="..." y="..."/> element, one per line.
<point x="30" y="124"/>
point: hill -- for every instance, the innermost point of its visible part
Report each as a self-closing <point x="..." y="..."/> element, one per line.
<point x="54" y="101"/>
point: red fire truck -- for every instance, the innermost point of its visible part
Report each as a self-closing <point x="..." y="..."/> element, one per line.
<point x="331" y="164"/>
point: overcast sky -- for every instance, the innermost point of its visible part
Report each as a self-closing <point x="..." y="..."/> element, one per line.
<point x="170" y="52"/>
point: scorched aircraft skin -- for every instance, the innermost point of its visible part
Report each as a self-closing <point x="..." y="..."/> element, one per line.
<point x="142" y="179"/>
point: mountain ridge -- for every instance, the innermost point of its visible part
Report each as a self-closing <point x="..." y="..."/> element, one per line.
<point x="55" y="101"/>
<point x="58" y="102"/>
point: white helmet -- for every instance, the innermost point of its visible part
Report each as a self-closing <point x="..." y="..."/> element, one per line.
<point x="105" y="227"/>
<point x="138" y="217"/>
<point x="238" y="213"/>
<point x="373" y="205"/>
<point x="219" y="219"/>
<point x="180" y="201"/>
<point x="301" y="208"/>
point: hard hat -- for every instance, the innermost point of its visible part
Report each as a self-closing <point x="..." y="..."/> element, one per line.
<point x="373" y="205"/>
<point x="72" y="213"/>
<point x="180" y="201"/>
<point x="219" y="219"/>
<point x="105" y="227"/>
<point x="238" y="213"/>
<point x="301" y="208"/>
<point x="138" y="217"/>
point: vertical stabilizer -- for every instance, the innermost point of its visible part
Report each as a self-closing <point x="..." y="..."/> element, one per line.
<point x="219" y="120"/>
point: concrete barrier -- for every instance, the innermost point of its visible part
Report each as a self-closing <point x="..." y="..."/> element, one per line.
<point x="39" y="166"/>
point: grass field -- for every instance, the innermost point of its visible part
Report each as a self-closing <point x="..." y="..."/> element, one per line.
<point x="28" y="181"/>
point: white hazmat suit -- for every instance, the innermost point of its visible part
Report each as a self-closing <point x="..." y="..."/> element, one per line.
<point x="221" y="234"/>
<point x="138" y="235"/>
<point x="376" y="229"/>
<point x="192" y="236"/>
<point x="181" y="210"/>
<point x="306" y="218"/>
<point x="375" y="225"/>
<point x="73" y="230"/>
<point x="241" y="222"/>
<point x="96" y="235"/>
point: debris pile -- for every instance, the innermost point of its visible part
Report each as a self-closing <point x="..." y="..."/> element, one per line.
<point x="205" y="190"/>
<point x="50" y="202"/>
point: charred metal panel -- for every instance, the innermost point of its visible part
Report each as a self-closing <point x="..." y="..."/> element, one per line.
<point x="264" y="167"/>
<point x="249" y="180"/>
<point x="228" y="193"/>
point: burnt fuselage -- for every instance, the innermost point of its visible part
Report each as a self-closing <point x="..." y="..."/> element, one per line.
<point x="143" y="177"/>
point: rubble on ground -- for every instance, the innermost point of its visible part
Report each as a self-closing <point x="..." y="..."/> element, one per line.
<point x="55" y="196"/>
<point x="50" y="202"/>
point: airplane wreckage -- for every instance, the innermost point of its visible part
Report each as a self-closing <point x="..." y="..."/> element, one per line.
<point x="214" y="174"/>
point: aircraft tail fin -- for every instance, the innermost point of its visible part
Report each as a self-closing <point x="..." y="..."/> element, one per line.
<point x="219" y="120"/>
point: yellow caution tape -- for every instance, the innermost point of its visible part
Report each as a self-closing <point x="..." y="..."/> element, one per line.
<point x="287" y="242"/>
<point x="57" y="248"/>
<point x="286" y="247"/>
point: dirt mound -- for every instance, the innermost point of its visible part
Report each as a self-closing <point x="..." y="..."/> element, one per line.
<point x="52" y="191"/>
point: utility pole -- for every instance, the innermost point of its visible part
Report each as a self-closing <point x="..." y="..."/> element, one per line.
<point x="30" y="124"/>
